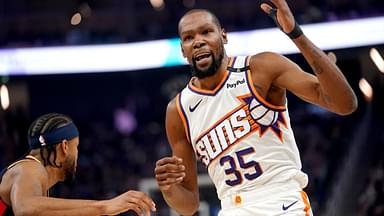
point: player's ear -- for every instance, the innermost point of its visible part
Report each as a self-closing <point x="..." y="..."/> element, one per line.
<point x="224" y="35"/>
<point x="64" y="146"/>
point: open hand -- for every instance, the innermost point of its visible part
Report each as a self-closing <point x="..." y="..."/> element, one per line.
<point x="283" y="14"/>
<point x="136" y="201"/>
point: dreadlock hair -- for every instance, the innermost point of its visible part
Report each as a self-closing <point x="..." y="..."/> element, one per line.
<point x="45" y="124"/>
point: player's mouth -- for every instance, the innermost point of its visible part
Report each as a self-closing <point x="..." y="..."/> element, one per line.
<point x="203" y="58"/>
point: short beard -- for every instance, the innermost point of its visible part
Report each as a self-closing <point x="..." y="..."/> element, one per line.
<point x="70" y="171"/>
<point x="211" y="70"/>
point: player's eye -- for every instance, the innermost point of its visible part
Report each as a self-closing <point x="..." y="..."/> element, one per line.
<point x="187" y="38"/>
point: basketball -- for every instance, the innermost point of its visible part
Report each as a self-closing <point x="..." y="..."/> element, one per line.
<point x="261" y="114"/>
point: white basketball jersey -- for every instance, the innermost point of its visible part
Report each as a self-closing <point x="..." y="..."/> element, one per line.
<point x="244" y="141"/>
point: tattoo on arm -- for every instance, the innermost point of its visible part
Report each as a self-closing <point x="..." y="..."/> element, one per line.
<point x="316" y="65"/>
<point x="317" y="68"/>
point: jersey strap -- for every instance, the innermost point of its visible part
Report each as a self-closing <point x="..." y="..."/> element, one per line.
<point x="240" y="64"/>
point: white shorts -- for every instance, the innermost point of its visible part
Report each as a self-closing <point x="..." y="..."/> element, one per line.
<point x="276" y="199"/>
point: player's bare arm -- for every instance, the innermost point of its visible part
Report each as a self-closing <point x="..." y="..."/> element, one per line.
<point x="329" y="88"/>
<point x="28" y="197"/>
<point x="176" y="176"/>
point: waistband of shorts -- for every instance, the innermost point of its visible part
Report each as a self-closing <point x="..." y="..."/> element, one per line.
<point x="259" y="194"/>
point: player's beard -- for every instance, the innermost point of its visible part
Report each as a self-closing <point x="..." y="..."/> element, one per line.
<point x="69" y="169"/>
<point x="213" y="67"/>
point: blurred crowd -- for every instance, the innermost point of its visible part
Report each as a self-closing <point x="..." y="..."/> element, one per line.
<point x="122" y="131"/>
<point x="121" y="115"/>
<point x="371" y="197"/>
<point x="371" y="201"/>
<point x="47" y="23"/>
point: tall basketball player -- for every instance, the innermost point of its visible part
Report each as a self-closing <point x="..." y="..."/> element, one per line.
<point x="233" y="117"/>
<point x="24" y="185"/>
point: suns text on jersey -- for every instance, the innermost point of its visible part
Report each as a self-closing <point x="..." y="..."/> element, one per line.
<point x="232" y="128"/>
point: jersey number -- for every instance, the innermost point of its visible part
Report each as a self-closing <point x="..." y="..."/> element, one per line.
<point x="252" y="167"/>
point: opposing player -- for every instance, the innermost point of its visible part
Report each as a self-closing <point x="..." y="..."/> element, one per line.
<point x="53" y="139"/>
<point x="233" y="117"/>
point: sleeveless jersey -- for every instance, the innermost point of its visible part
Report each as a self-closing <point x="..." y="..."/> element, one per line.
<point x="244" y="141"/>
<point x="6" y="210"/>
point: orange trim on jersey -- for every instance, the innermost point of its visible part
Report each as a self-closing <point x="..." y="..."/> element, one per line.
<point x="254" y="127"/>
<point x="33" y="158"/>
<point x="225" y="116"/>
<point x="230" y="147"/>
<point x="182" y="116"/>
<point x="284" y="121"/>
<point x="230" y="61"/>
<point x="218" y="87"/>
<point x="210" y="92"/>
<point x="248" y="59"/>
<point x="24" y="159"/>
<point x="259" y="97"/>
<point x="306" y="202"/>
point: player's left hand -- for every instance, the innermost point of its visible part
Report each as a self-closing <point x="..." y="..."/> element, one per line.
<point x="169" y="171"/>
<point x="284" y="15"/>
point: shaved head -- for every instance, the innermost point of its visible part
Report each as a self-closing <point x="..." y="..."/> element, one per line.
<point x="214" y="18"/>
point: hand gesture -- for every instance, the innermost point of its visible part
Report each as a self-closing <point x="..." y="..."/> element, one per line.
<point x="169" y="171"/>
<point x="137" y="201"/>
<point x="279" y="10"/>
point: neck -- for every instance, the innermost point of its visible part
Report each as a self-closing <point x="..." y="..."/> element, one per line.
<point x="211" y="82"/>
<point x="54" y="174"/>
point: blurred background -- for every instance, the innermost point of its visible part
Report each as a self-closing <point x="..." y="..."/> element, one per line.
<point x="121" y="114"/>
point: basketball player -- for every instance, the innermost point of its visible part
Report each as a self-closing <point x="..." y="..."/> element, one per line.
<point x="233" y="117"/>
<point x="54" y="139"/>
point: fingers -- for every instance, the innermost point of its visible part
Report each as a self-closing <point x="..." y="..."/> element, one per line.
<point x="332" y="57"/>
<point x="266" y="8"/>
<point x="279" y="3"/>
<point x="279" y="11"/>
<point x="169" y="171"/>
<point x="169" y="164"/>
<point x="167" y="180"/>
<point x="136" y="209"/>
<point x="169" y="160"/>
<point x="140" y="202"/>
<point x="137" y="201"/>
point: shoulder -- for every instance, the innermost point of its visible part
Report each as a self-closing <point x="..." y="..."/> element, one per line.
<point x="174" y="114"/>
<point x="172" y="104"/>
<point x="25" y="174"/>
<point x="266" y="59"/>
<point x="27" y="171"/>
<point x="271" y="64"/>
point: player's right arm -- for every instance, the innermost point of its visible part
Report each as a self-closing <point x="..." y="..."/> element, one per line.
<point x="27" y="196"/>
<point x="177" y="175"/>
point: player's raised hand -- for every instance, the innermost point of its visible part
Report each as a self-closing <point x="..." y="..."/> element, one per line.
<point x="136" y="201"/>
<point x="332" y="57"/>
<point x="279" y="10"/>
<point x="169" y="171"/>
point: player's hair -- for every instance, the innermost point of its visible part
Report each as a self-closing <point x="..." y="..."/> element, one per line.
<point x="213" y="16"/>
<point x="45" y="124"/>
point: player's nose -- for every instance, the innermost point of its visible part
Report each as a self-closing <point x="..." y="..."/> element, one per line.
<point x="198" y="42"/>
